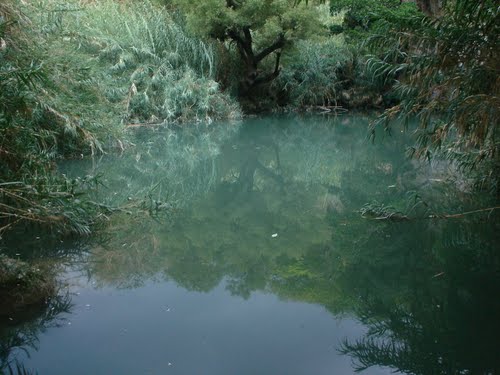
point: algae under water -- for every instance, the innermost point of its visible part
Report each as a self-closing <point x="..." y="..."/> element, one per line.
<point x="242" y="250"/>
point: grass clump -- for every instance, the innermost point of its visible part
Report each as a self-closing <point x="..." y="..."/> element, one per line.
<point x="149" y="66"/>
<point x="34" y="132"/>
<point x="316" y="73"/>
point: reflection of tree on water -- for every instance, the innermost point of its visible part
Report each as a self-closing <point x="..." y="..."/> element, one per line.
<point x="226" y="231"/>
<point x="20" y="335"/>
<point x="426" y="288"/>
<point x="245" y="160"/>
<point x="440" y="316"/>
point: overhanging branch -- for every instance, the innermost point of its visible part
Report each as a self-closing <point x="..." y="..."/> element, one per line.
<point x="279" y="43"/>
<point x="269" y="77"/>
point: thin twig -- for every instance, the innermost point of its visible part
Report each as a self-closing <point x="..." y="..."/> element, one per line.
<point x="452" y="216"/>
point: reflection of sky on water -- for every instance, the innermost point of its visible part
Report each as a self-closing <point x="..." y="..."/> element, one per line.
<point x="141" y="331"/>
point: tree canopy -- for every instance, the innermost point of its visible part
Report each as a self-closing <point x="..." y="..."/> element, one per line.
<point x="258" y="28"/>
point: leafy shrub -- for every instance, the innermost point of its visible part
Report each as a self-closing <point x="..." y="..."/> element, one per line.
<point x="33" y="132"/>
<point x="445" y="71"/>
<point x="71" y="74"/>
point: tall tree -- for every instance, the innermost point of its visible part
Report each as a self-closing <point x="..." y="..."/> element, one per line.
<point x="260" y="30"/>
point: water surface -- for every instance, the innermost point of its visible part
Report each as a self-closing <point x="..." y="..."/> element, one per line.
<point x="241" y="249"/>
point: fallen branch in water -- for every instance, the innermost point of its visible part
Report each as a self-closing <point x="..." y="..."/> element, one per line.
<point x="383" y="213"/>
<point x="460" y="215"/>
<point x="330" y="109"/>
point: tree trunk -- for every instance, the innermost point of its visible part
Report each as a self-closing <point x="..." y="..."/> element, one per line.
<point x="253" y="76"/>
<point x="432" y="8"/>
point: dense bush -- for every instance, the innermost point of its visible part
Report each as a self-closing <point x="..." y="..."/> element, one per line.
<point x="151" y="66"/>
<point x="316" y="72"/>
<point x="33" y="132"/>
<point x="329" y="73"/>
<point x="445" y="72"/>
<point x="71" y="76"/>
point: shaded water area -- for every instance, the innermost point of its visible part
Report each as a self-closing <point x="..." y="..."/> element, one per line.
<point x="249" y="248"/>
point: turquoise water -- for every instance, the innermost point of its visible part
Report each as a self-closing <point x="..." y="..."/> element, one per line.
<point x="249" y="248"/>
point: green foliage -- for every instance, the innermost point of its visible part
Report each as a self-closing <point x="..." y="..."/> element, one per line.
<point x="445" y="72"/>
<point x="360" y="20"/>
<point x="71" y="75"/>
<point x="316" y="72"/>
<point x="268" y="20"/>
<point x="154" y="68"/>
<point x="364" y="14"/>
<point x="50" y="203"/>
<point x="259" y="30"/>
<point x="32" y="134"/>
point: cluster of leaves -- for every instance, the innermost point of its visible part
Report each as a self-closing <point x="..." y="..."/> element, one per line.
<point x="51" y="203"/>
<point x="268" y="20"/>
<point x="331" y="71"/>
<point x="33" y="132"/>
<point x="445" y="72"/>
<point x="361" y="16"/>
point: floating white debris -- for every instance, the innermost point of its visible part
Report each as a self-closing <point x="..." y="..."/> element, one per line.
<point x="169" y="364"/>
<point x="274" y="235"/>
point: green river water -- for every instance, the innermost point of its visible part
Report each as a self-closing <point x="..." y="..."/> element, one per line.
<point x="243" y="248"/>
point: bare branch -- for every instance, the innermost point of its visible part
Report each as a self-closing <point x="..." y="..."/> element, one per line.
<point x="279" y="43"/>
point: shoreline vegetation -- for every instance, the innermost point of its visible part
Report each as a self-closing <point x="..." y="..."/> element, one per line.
<point x="77" y="76"/>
